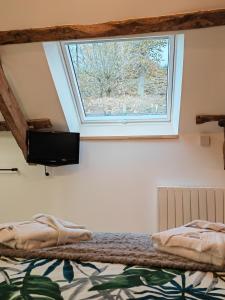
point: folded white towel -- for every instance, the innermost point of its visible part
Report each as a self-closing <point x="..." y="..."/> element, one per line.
<point x="42" y="231"/>
<point x="199" y="240"/>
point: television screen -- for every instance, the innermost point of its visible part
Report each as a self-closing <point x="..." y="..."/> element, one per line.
<point x="53" y="148"/>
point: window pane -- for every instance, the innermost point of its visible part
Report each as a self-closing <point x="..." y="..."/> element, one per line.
<point x="122" y="77"/>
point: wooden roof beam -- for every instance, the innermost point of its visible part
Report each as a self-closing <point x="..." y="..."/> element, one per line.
<point x="200" y="119"/>
<point x="12" y="114"/>
<point x="175" y="22"/>
<point x="35" y="124"/>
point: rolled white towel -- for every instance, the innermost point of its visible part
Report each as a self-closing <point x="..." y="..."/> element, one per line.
<point x="199" y="240"/>
<point x="41" y="232"/>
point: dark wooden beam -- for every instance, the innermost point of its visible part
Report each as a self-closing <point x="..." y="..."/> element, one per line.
<point x="35" y="124"/>
<point x="11" y="112"/>
<point x="39" y="124"/>
<point x="200" y="119"/>
<point x="191" y="20"/>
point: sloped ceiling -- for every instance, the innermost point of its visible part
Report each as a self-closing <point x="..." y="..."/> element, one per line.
<point x="26" y="66"/>
<point x="28" y="74"/>
<point x="16" y="14"/>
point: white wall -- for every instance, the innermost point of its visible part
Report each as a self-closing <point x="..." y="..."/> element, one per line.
<point x="114" y="187"/>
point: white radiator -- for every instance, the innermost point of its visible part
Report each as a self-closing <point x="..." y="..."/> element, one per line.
<point x="178" y="206"/>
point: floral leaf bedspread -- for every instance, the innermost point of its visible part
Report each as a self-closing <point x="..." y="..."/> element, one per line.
<point x="56" y="279"/>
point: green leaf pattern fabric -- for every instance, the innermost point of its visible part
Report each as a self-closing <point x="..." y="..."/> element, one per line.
<point x="56" y="279"/>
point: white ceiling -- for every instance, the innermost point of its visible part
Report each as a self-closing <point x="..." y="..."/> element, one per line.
<point x="16" y="14"/>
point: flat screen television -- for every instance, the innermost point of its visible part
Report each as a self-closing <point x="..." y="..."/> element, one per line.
<point x="53" y="148"/>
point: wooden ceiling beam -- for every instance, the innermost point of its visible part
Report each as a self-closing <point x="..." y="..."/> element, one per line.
<point x="175" y="22"/>
<point x="12" y="114"/>
<point x="35" y="124"/>
<point x="200" y="119"/>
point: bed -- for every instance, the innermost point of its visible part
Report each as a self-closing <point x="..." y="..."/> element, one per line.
<point x="111" y="266"/>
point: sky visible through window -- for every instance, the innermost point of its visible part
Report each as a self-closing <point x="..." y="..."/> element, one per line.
<point x="122" y="77"/>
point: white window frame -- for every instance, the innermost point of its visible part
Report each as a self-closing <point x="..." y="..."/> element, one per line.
<point x="119" y="119"/>
<point x="115" y="130"/>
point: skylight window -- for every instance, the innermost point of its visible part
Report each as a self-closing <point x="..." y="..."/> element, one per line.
<point x="121" y="87"/>
<point x="123" y="79"/>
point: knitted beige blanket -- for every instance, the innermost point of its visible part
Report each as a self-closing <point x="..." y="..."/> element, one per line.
<point x="122" y="248"/>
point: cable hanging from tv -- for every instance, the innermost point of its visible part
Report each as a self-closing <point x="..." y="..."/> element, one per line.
<point x="46" y="172"/>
